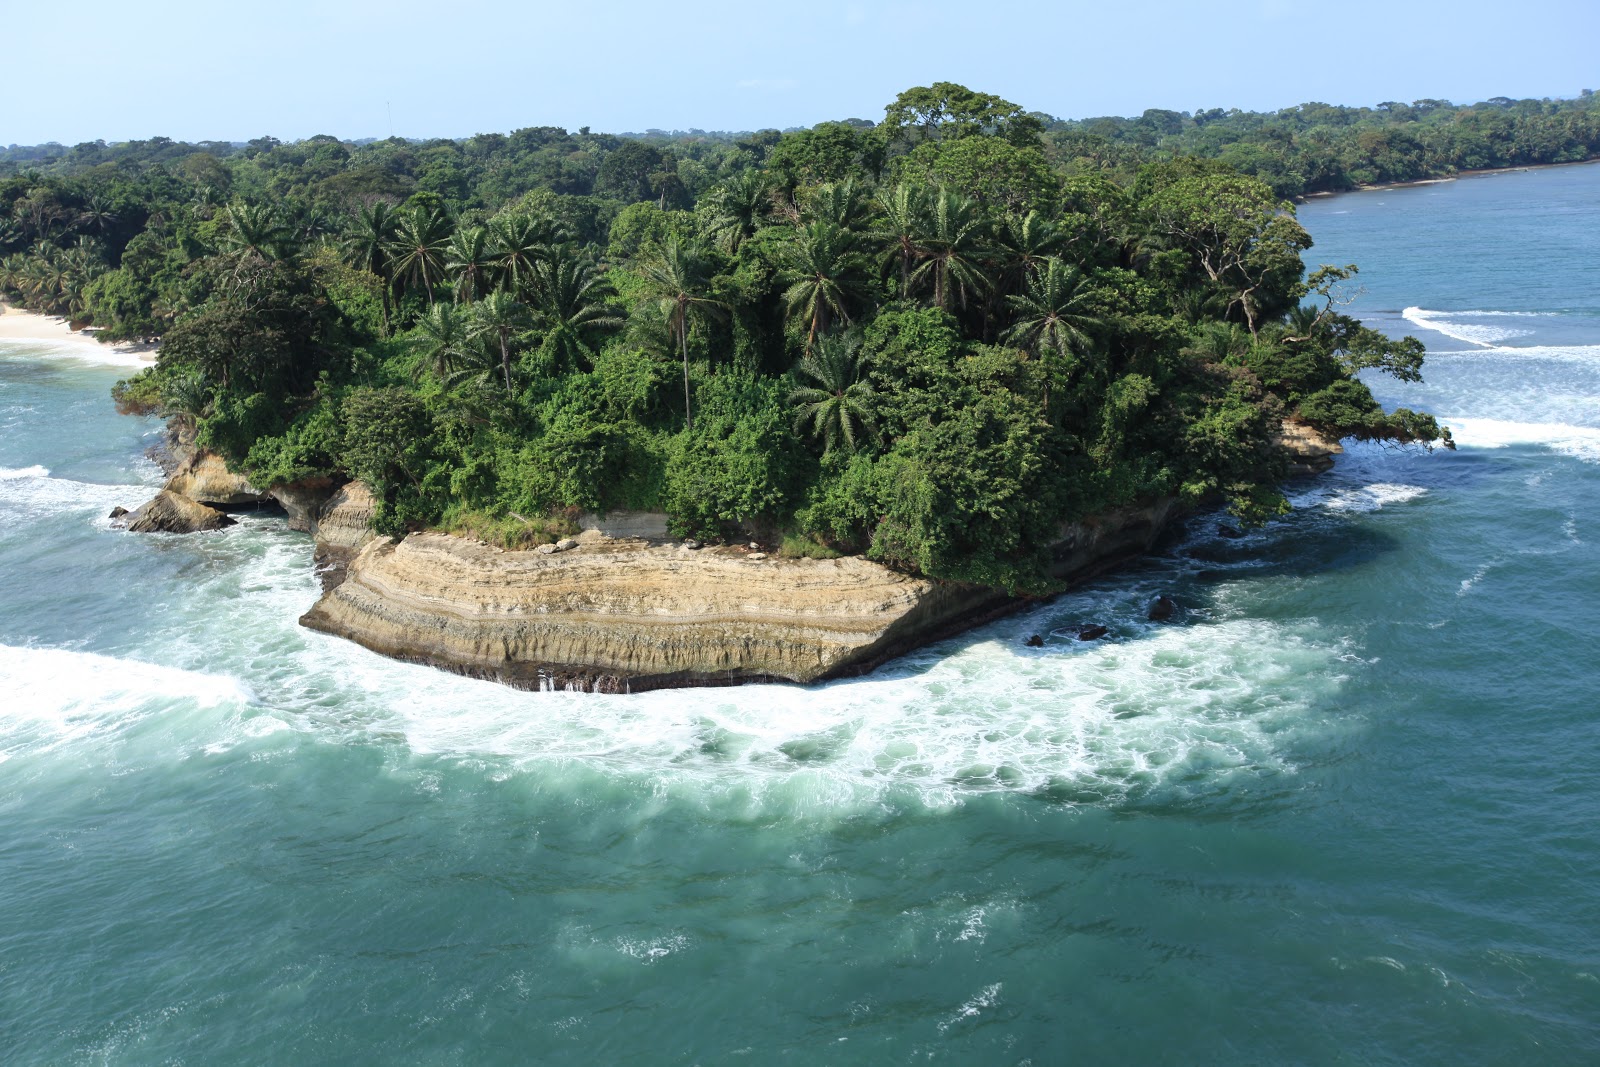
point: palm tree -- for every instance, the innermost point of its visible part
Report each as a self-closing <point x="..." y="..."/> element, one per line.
<point x="840" y="203"/>
<point x="497" y="316"/>
<point x="824" y="273"/>
<point x="569" y="306"/>
<point x="479" y="366"/>
<point x="738" y="208"/>
<point x="676" y="280"/>
<point x="254" y="234"/>
<point x="366" y="245"/>
<point x="899" y="228"/>
<point x="469" y="261"/>
<point x="1025" y="243"/>
<point x="950" y="243"/>
<point x="422" y="236"/>
<point x="838" y="407"/>
<point x="1053" y="317"/>
<point x="442" y="342"/>
<point x="97" y="215"/>
<point x="517" y="243"/>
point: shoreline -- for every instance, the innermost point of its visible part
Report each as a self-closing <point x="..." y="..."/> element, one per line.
<point x="32" y="327"/>
<point x="1482" y="172"/>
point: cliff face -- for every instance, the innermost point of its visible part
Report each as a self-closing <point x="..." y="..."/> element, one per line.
<point x="1310" y="450"/>
<point x="629" y="615"/>
<point x="611" y="615"/>
<point x="204" y="477"/>
<point x="620" y="611"/>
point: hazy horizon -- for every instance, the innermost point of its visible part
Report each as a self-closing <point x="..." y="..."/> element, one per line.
<point x="231" y="75"/>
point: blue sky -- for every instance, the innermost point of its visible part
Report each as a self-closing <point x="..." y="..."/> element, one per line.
<point x="240" y="69"/>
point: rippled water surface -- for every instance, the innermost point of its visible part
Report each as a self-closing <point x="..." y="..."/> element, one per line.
<point x="1342" y="810"/>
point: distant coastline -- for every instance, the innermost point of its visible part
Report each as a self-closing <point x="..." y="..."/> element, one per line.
<point x="1481" y="172"/>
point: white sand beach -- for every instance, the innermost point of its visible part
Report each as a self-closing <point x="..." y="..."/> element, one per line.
<point x="45" y="331"/>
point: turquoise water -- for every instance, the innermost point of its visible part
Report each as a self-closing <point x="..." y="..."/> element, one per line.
<point x="1342" y="811"/>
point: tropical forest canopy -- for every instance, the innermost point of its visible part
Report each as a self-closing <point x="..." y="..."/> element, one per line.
<point x="933" y="339"/>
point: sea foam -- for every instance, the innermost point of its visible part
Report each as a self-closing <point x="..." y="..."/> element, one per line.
<point x="1482" y="334"/>
<point x="56" y="695"/>
<point x="1580" y="442"/>
<point x="34" y="493"/>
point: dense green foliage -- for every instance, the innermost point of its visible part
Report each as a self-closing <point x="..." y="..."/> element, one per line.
<point x="934" y="339"/>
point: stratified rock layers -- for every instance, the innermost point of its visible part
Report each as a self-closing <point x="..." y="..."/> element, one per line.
<point x="615" y="616"/>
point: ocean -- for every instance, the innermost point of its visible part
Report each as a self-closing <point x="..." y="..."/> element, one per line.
<point x="1342" y="810"/>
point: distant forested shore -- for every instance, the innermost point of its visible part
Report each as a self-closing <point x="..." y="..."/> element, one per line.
<point x="932" y="339"/>
<point x="1310" y="148"/>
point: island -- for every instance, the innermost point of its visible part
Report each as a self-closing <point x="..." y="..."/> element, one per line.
<point x="631" y="413"/>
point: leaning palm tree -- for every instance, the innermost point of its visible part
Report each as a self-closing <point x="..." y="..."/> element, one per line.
<point x="738" y="208"/>
<point x="366" y="245"/>
<point x="825" y="276"/>
<point x="837" y="407"/>
<point x="951" y="243"/>
<point x="441" y="341"/>
<point x="468" y="261"/>
<point x="1054" y="317"/>
<point x="497" y="316"/>
<point x="422" y="236"/>
<point x="899" y="229"/>
<point x="569" y="307"/>
<point x="676" y="280"/>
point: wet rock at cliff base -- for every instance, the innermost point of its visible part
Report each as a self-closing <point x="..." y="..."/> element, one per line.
<point x="1034" y="641"/>
<point x="1092" y="633"/>
<point x="1163" y="609"/>
<point x="171" y="513"/>
<point x="118" y="512"/>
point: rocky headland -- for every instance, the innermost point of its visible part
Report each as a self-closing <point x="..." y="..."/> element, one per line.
<point x="622" y="609"/>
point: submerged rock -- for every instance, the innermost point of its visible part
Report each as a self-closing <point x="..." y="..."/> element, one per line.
<point x="1092" y="633"/>
<point x="1035" y="641"/>
<point x="1230" y="532"/>
<point x="1163" y="609"/>
<point x="171" y="513"/>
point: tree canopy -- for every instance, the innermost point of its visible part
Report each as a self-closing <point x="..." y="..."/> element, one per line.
<point x="932" y="340"/>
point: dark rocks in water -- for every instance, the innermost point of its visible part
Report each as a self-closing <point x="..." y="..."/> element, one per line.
<point x="1035" y="641"/>
<point x="118" y="512"/>
<point x="1092" y="633"/>
<point x="1230" y="532"/>
<point x="171" y="513"/>
<point x="1163" y="609"/>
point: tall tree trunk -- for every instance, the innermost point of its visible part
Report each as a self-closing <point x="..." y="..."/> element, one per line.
<point x="683" y="345"/>
<point x="505" y="361"/>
